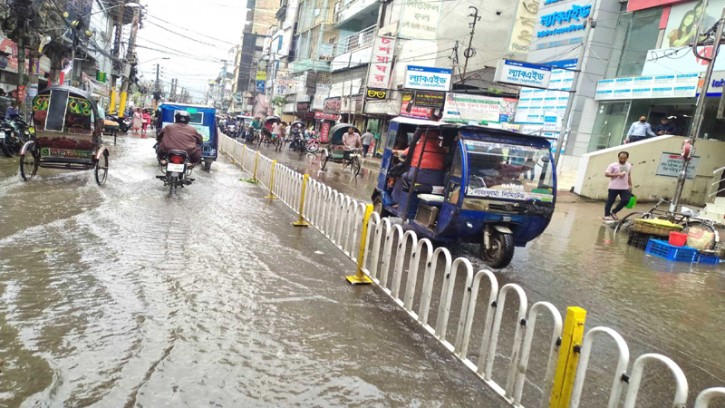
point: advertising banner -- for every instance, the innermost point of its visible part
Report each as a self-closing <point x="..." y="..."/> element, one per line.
<point x="427" y="78"/>
<point x="522" y="74"/>
<point x="522" y="32"/>
<point x="322" y="91"/>
<point x="648" y="87"/>
<point x="381" y="61"/>
<point x="332" y="105"/>
<point x="466" y="108"/>
<point x="374" y="93"/>
<point x="408" y="110"/>
<point x="427" y="99"/>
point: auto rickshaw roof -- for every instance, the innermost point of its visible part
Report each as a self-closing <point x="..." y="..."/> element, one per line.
<point x="72" y="91"/>
<point x="184" y="106"/>
<point x="489" y="131"/>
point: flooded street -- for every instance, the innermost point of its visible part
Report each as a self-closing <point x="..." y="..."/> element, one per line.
<point x="122" y="296"/>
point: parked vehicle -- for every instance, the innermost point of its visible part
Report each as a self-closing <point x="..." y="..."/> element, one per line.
<point x="203" y="118"/>
<point x="69" y="134"/>
<point x="497" y="188"/>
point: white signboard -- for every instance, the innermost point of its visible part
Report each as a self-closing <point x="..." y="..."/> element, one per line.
<point x="380" y="62"/>
<point x="522" y="74"/>
<point x="671" y="165"/>
<point x="465" y="108"/>
<point x="671" y="61"/>
<point x="648" y="87"/>
<point x="522" y="33"/>
<point x="427" y="78"/>
<point x="536" y="107"/>
<point x="420" y="19"/>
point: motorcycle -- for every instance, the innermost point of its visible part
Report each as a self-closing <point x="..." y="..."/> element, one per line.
<point x="14" y="133"/>
<point x="298" y="143"/>
<point x="123" y="123"/>
<point x="177" y="170"/>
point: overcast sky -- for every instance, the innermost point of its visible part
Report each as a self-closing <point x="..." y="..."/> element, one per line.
<point x="213" y="28"/>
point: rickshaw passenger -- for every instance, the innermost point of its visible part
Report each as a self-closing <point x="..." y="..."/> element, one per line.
<point x="432" y="161"/>
<point x="276" y="130"/>
<point x="180" y="136"/>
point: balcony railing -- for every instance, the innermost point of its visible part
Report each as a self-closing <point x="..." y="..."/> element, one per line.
<point x="356" y="41"/>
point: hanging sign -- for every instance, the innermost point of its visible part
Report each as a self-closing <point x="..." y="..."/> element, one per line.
<point x="522" y="74"/>
<point x="427" y="78"/>
<point x="381" y="61"/>
<point x="374" y="93"/>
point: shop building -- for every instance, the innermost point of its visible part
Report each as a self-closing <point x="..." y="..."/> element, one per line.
<point x="655" y="72"/>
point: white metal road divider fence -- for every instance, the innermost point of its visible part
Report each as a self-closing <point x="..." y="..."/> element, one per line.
<point x="378" y="244"/>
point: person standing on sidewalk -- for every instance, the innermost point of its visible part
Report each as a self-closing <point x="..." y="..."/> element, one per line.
<point x="367" y="138"/>
<point x="620" y="184"/>
<point x="639" y="130"/>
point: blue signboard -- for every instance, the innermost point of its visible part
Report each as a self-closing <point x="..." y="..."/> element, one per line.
<point x="260" y="86"/>
<point x="428" y="78"/>
<point x="568" y="19"/>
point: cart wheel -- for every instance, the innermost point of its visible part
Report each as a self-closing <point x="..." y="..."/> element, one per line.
<point x="29" y="162"/>
<point x="501" y="251"/>
<point x="323" y="159"/>
<point x="101" y="169"/>
<point x="355" y="166"/>
<point x="207" y="165"/>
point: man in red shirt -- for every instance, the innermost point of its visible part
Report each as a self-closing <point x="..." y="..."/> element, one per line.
<point x="180" y="136"/>
<point x="428" y="159"/>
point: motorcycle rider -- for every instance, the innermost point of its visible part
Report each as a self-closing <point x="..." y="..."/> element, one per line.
<point x="180" y="136"/>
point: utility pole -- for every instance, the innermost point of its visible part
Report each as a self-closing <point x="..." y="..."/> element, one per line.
<point x="564" y="131"/>
<point x="700" y="107"/>
<point x="116" y="53"/>
<point x="129" y="60"/>
<point x="221" y="85"/>
<point x="470" y="52"/>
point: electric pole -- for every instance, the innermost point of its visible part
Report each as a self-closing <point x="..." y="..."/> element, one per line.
<point x="470" y="52"/>
<point x="701" y="100"/>
<point x="116" y="53"/>
<point x="130" y="60"/>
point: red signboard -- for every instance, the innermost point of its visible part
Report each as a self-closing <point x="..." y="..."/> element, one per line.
<point x="324" y="132"/>
<point x="635" y="5"/>
<point x="413" y="111"/>
<point x="326" y="116"/>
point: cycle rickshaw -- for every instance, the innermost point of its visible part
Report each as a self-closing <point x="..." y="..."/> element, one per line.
<point x="69" y="134"/>
<point x="267" y="132"/>
<point x="335" y="150"/>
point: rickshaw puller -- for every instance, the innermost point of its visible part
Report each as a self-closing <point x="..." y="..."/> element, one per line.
<point x="350" y="141"/>
<point x="180" y="136"/>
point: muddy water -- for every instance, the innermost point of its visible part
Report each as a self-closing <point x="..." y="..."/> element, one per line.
<point x="676" y="309"/>
<point x="122" y="296"/>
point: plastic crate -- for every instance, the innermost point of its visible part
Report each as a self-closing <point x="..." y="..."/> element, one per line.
<point x="638" y="240"/>
<point x="663" y="249"/>
<point x="710" y="259"/>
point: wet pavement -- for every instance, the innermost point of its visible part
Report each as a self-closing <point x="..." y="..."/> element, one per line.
<point x="122" y="296"/>
<point x="676" y="309"/>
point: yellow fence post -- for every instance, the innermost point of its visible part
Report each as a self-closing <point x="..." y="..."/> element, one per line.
<point x="254" y="180"/>
<point x="360" y="278"/>
<point x="571" y="340"/>
<point x="303" y="191"/>
<point x="271" y="180"/>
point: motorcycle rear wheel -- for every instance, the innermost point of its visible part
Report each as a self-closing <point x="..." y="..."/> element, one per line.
<point x="5" y="147"/>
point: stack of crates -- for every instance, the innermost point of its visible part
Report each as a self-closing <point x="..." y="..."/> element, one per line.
<point x="640" y="240"/>
<point x="664" y="250"/>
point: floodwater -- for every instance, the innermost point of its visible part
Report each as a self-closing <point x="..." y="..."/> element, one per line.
<point x="676" y="309"/>
<point x="122" y="296"/>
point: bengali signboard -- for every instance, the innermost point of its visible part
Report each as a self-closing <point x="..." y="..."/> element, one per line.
<point x="522" y="74"/>
<point x="332" y="105"/>
<point x="671" y="165"/>
<point x="524" y="24"/>
<point x="408" y="110"/>
<point x="420" y="20"/>
<point x="427" y="99"/>
<point x="648" y="87"/>
<point x="381" y="61"/>
<point x="427" y="78"/>
<point x="467" y="108"/>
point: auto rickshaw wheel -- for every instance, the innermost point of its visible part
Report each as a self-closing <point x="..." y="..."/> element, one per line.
<point x="323" y="159"/>
<point x="501" y="252"/>
<point x="101" y="169"/>
<point x="29" y="162"/>
<point x="378" y="206"/>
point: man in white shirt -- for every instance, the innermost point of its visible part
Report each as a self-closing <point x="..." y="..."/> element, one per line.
<point x="639" y="130"/>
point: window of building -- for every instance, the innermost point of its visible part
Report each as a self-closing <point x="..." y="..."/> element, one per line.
<point x="642" y="32"/>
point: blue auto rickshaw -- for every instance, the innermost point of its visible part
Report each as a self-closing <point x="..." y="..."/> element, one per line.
<point x="497" y="188"/>
<point x="203" y="118"/>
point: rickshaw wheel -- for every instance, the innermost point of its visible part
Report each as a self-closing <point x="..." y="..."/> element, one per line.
<point x="29" y="161"/>
<point x="501" y="251"/>
<point x="323" y="160"/>
<point x="101" y="169"/>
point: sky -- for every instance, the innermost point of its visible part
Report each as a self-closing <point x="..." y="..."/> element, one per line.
<point x="196" y="35"/>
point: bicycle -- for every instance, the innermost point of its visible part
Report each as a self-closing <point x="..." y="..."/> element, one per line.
<point x="686" y="218"/>
<point x="353" y="161"/>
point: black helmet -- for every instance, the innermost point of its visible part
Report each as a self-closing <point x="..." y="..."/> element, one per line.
<point x="182" y="117"/>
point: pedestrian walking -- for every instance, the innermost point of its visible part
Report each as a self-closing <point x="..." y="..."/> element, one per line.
<point x="137" y="121"/>
<point x="620" y="185"/>
<point x="146" y="120"/>
<point x="367" y="139"/>
<point x="639" y="130"/>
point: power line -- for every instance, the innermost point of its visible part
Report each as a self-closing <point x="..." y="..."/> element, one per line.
<point x="193" y="32"/>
